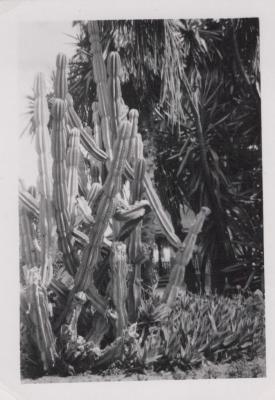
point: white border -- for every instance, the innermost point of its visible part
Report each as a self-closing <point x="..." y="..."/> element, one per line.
<point x="10" y="13"/>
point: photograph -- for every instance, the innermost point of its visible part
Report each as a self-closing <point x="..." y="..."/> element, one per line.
<point x="140" y="200"/>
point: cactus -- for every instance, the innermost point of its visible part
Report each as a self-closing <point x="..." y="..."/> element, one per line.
<point x="118" y="110"/>
<point x="60" y="193"/>
<point x="29" y="202"/>
<point x="118" y="285"/>
<point x="135" y="244"/>
<point x="100" y="77"/>
<point x="61" y="86"/>
<point x="38" y="315"/>
<point x="86" y="140"/>
<point x="183" y="257"/>
<point x="42" y="142"/>
<point x="156" y="205"/>
<point x="70" y="326"/>
<point x="106" y="208"/>
<point x="30" y="252"/>
<point x="72" y="170"/>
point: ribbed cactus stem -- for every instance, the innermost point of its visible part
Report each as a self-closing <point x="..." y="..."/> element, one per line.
<point x="133" y="118"/>
<point x="100" y="78"/>
<point x="60" y="193"/>
<point x="118" y="109"/>
<point x="61" y="85"/>
<point x="135" y="244"/>
<point x="30" y="253"/>
<point x="183" y="257"/>
<point x="86" y="139"/>
<point x="38" y="313"/>
<point x="119" y="291"/>
<point x="72" y="317"/>
<point x="157" y="207"/>
<point x="82" y="176"/>
<point x="106" y="208"/>
<point x="94" y="193"/>
<point x="43" y="149"/>
<point x="29" y="202"/>
<point x="73" y="154"/>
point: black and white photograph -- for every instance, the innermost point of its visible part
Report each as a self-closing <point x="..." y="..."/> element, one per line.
<point x="141" y="237"/>
<point x="137" y="187"/>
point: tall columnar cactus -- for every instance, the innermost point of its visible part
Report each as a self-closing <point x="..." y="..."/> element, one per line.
<point x="119" y="291"/>
<point x="106" y="208"/>
<point x="42" y="141"/>
<point x="183" y="257"/>
<point x="60" y="192"/>
<point x="100" y="78"/>
<point x="135" y="244"/>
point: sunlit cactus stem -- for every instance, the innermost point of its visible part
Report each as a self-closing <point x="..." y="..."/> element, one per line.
<point x="30" y="254"/>
<point x="118" y="285"/>
<point x="100" y="78"/>
<point x="60" y="192"/>
<point x="42" y="144"/>
<point x="60" y="83"/>
<point x="73" y="154"/>
<point x="118" y="109"/>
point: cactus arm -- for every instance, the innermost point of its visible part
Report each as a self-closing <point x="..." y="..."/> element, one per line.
<point x="156" y="205"/>
<point x="135" y="244"/>
<point x="100" y="78"/>
<point x="86" y="140"/>
<point x="117" y="106"/>
<point x="82" y="177"/>
<point x="129" y="172"/>
<point x="30" y="254"/>
<point x="183" y="257"/>
<point x="29" y="202"/>
<point x="118" y="285"/>
<point x="94" y="193"/>
<point x="137" y="210"/>
<point x="72" y="170"/>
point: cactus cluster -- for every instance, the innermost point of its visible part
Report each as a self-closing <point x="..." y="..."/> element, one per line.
<point x="97" y="226"/>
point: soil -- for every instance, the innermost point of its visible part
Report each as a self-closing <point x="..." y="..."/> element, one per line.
<point x="236" y="369"/>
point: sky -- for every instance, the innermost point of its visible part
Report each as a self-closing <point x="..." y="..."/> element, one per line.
<point x="38" y="45"/>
